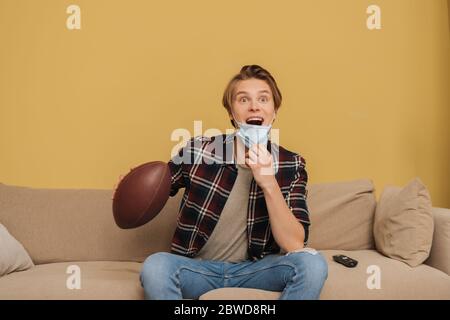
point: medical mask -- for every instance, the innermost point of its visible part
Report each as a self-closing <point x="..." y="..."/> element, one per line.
<point x="251" y="134"/>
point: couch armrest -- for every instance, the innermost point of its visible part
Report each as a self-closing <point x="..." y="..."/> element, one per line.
<point x="440" y="250"/>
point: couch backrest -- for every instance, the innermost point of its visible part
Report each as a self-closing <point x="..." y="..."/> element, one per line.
<point x="77" y="224"/>
<point x="57" y="225"/>
<point x="342" y="215"/>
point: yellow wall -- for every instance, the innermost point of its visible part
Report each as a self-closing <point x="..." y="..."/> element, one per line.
<point x="80" y="107"/>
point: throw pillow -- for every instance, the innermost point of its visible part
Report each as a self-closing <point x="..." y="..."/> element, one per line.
<point x="403" y="227"/>
<point x="13" y="256"/>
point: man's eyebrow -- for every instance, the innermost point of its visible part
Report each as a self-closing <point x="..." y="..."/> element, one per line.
<point x="260" y="91"/>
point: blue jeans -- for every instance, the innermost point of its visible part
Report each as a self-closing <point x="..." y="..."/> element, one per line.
<point x="299" y="275"/>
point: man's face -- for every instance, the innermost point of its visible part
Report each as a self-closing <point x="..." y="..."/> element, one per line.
<point x="253" y="102"/>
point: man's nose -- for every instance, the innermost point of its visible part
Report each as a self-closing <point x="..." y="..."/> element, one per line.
<point x="254" y="105"/>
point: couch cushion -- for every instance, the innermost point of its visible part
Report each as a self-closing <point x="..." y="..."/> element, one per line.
<point x="13" y="256"/>
<point x="403" y="227"/>
<point x="397" y="281"/>
<point x="56" y="225"/>
<point x="341" y="215"/>
<point x="99" y="280"/>
<point x="120" y="280"/>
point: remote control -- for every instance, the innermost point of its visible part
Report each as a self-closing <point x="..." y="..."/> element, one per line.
<point x="346" y="261"/>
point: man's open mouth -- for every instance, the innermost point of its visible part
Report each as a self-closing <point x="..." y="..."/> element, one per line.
<point x="255" y="121"/>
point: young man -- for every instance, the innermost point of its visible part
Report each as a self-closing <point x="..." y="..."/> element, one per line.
<point x="240" y="210"/>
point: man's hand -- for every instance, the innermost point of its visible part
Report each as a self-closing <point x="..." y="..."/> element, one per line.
<point x="120" y="180"/>
<point x="260" y="162"/>
<point x="116" y="185"/>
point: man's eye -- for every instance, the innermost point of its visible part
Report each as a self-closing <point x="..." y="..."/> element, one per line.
<point x="243" y="99"/>
<point x="264" y="99"/>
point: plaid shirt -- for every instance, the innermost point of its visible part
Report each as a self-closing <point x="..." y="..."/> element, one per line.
<point x="208" y="177"/>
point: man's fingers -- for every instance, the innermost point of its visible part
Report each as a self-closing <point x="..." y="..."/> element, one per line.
<point x="259" y="152"/>
<point x="262" y="149"/>
<point x="253" y="157"/>
<point x="117" y="184"/>
<point x="254" y="148"/>
<point x="120" y="179"/>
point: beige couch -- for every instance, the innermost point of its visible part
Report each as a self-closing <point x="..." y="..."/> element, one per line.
<point x="60" y="228"/>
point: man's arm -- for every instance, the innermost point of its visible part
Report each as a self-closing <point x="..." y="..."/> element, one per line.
<point x="289" y="233"/>
<point x="176" y="168"/>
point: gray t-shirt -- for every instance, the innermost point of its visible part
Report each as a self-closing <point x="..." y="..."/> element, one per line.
<point x="228" y="241"/>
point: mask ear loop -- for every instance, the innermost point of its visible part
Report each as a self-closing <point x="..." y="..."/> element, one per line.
<point x="274" y="117"/>
<point x="272" y="122"/>
<point x="236" y="123"/>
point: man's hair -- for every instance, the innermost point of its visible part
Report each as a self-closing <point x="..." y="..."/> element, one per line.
<point x="249" y="72"/>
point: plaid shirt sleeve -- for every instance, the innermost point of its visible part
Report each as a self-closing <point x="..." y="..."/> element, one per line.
<point x="177" y="165"/>
<point x="296" y="199"/>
